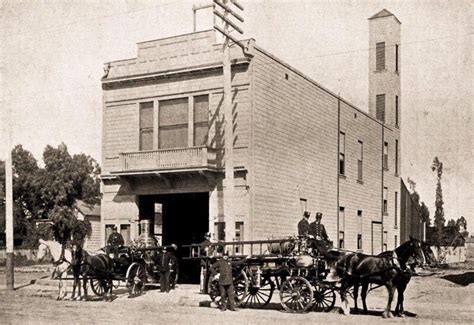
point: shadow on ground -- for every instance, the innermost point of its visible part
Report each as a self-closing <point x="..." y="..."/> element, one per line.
<point x="463" y="279"/>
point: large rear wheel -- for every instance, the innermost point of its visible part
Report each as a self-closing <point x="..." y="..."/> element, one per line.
<point x="296" y="294"/>
<point x="258" y="297"/>
<point x="136" y="278"/>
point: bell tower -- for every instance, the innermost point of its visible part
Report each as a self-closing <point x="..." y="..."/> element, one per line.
<point x="385" y="68"/>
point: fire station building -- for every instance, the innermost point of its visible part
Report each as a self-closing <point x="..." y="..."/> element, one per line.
<point x="296" y="145"/>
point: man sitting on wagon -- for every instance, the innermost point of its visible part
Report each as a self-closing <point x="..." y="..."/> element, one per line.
<point x="304" y="227"/>
<point x="115" y="242"/>
<point x="321" y="239"/>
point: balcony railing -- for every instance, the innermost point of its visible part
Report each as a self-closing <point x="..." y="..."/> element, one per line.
<point x="166" y="159"/>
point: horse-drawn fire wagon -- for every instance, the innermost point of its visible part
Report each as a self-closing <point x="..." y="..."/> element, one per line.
<point x="289" y="265"/>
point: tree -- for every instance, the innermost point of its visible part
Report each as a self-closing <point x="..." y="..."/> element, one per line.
<point x="52" y="191"/>
<point x="439" y="219"/>
<point x="451" y="223"/>
<point x="425" y="213"/>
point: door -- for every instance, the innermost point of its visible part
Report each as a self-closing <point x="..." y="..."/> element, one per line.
<point x="376" y="237"/>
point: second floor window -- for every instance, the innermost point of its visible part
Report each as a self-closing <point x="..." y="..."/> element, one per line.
<point x="342" y="158"/>
<point x="173" y="123"/>
<point x="201" y="109"/>
<point x="359" y="161"/>
<point x="359" y="241"/>
<point x="385" y="155"/>
<point x="146" y="126"/>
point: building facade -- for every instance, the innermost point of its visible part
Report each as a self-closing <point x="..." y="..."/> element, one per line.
<point x="297" y="146"/>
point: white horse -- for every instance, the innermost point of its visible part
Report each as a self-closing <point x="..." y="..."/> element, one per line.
<point x="62" y="259"/>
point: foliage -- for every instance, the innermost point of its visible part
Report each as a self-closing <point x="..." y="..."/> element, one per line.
<point x="439" y="219"/>
<point x="451" y="223"/>
<point x="51" y="192"/>
<point x="425" y="213"/>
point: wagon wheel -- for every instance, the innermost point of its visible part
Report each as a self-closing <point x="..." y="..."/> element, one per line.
<point x="99" y="286"/>
<point x="258" y="297"/>
<point x="241" y="284"/>
<point x="296" y="294"/>
<point x="136" y="277"/>
<point x="324" y="298"/>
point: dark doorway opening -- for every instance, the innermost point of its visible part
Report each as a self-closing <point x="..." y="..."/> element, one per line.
<point x="185" y="220"/>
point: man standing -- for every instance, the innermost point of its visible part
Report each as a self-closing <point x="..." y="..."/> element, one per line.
<point x="163" y="263"/>
<point x="303" y="226"/>
<point x="226" y="281"/>
<point x="206" y="251"/>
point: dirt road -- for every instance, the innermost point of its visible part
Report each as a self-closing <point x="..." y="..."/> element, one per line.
<point x="443" y="298"/>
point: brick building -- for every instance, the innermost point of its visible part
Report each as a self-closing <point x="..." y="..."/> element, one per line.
<point x="296" y="144"/>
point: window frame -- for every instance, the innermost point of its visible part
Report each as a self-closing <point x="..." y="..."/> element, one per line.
<point x="360" y="162"/>
<point x="173" y="126"/>
<point x="385" y="201"/>
<point x="142" y="106"/>
<point x="385" y="156"/>
<point x="380" y="101"/>
<point x="342" y="154"/>
<point x="380" y="63"/>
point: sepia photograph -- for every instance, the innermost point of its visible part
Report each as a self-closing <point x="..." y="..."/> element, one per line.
<point x="236" y="162"/>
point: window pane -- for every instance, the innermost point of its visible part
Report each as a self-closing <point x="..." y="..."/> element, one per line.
<point x="342" y="141"/>
<point x="174" y="111"/>
<point x="201" y="108"/>
<point x="173" y="137"/>
<point x="380" y="107"/>
<point x="146" y="115"/>
<point x="380" y="56"/>
<point x="200" y="134"/>
<point x="146" y="139"/>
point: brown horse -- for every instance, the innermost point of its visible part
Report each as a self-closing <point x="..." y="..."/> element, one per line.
<point x="356" y="269"/>
<point x="98" y="267"/>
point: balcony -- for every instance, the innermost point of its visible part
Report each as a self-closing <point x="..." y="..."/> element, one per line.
<point x="193" y="158"/>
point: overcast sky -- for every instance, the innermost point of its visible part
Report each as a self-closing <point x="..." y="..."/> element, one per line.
<point x="53" y="54"/>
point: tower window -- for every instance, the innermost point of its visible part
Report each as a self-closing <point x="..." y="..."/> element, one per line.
<point x="385" y="200"/>
<point x="397" y="113"/>
<point x="380" y="56"/>
<point x="396" y="157"/>
<point x="385" y="155"/>
<point x="360" y="161"/>
<point x="396" y="57"/>
<point x="380" y="107"/>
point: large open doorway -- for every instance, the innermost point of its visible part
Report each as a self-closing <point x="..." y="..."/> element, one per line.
<point x="185" y="220"/>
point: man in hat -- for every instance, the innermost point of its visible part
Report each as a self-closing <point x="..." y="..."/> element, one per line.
<point x="206" y="252"/>
<point x="317" y="229"/>
<point x="163" y="264"/>
<point x="115" y="242"/>
<point x="304" y="226"/>
<point x="223" y="267"/>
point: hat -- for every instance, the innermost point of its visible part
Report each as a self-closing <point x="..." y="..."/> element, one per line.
<point x="114" y="228"/>
<point x="319" y="215"/>
<point x="306" y="214"/>
<point x="207" y="234"/>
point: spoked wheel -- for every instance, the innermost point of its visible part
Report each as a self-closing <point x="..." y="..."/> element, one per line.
<point x="296" y="294"/>
<point x="99" y="286"/>
<point x="136" y="278"/>
<point x="241" y="284"/>
<point x="324" y="298"/>
<point x="258" y="297"/>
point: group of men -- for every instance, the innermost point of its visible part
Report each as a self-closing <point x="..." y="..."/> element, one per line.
<point x="315" y="229"/>
<point x="115" y="242"/>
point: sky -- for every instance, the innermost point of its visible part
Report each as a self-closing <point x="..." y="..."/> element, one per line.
<point x="52" y="56"/>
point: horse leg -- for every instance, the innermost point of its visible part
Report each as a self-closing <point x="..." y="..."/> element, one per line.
<point x="391" y="290"/>
<point x="363" y="295"/>
<point x="401" y="295"/>
<point x="343" y="293"/>
<point x="355" y="292"/>
<point x="84" y="284"/>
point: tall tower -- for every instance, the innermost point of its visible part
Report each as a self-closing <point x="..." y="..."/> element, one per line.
<point x="384" y="105"/>
<point x="384" y="68"/>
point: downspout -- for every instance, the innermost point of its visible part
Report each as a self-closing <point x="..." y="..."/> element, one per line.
<point x="337" y="165"/>
<point x="383" y="144"/>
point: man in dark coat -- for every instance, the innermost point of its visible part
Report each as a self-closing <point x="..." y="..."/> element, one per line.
<point x="226" y="281"/>
<point x="206" y="251"/>
<point x="303" y="226"/>
<point x="115" y="242"/>
<point x="163" y="264"/>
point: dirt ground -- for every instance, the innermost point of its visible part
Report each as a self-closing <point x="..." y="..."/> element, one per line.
<point x="445" y="297"/>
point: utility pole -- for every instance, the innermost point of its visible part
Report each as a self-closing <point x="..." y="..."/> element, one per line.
<point x="9" y="272"/>
<point x="225" y="15"/>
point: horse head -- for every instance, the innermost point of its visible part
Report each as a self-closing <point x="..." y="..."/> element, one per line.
<point x="411" y="249"/>
<point x="43" y="250"/>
